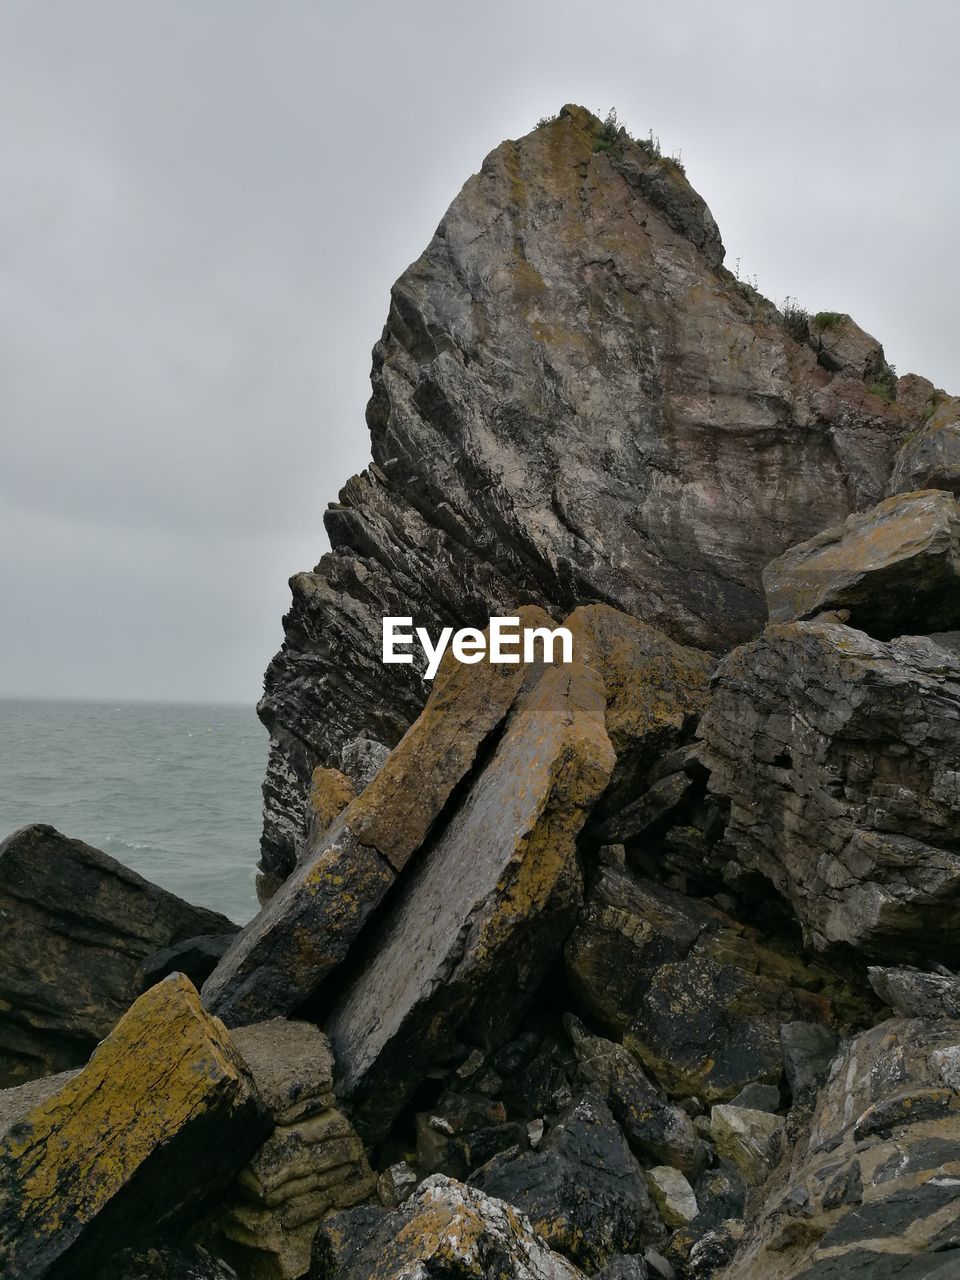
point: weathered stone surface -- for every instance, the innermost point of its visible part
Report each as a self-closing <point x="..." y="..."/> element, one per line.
<point x="283" y="956"/>
<point x="840" y="758"/>
<point x="911" y="993"/>
<point x="895" y="568"/>
<point x="166" y="1262"/>
<point x="696" y="997"/>
<point x="77" y="929"/>
<point x="583" y="1190"/>
<point x="479" y="921"/>
<point x="808" y="1050"/>
<point x="159" y="1120"/>
<point x="843" y="347"/>
<point x="929" y="458"/>
<point x="330" y="793"/>
<point x="362" y="759"/>
<point x="758" y="1097"/>
<point x="751" y="1140"/>
<point x="872" y="1187"/>
<point x="444" y="1229"/>
<point x="572" y="305"/>
<point x="195" y="957"/>
<point x="312" y="1161"/>
<point x="654" y="1128"/>
<point x="673" y="1195"/>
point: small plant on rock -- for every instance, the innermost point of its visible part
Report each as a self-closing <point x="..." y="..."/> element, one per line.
<point x="796" y="319"/>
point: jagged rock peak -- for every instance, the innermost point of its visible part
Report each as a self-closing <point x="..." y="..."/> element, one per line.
<point x="573" y="401"/>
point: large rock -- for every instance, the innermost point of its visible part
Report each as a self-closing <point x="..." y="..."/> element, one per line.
<point x="698" y="998"/>
<point x="159" y="1120"/>
<point x="475" y="927"/>
<point x="444" y="1229"/>
<point x="930" y="457"/>
<point x="583" y="1190"/>
<point x="306" y="929"/>
<point x="871" y="1188"/>
<point x="840" y="758"/>
<point x="894" y="569"/>
<point x="572" y="400"/>
<point x="312" y="1161"/>
<point x="78" y="927"/>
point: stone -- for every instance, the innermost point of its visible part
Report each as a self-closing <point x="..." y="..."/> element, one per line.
<point x="929" y="457"/>
<point x="625" y="1266"/>
<point x="655" y="1129"/>
<point x="721" y="1194"/>
<point x="195" y="957"/>
<point x="839" y="756"/>
<point x="396" y="1183"/>
<point x="695" y="996"/>
<point x="362" y="759"/>
<point x="330" y="793"/>
<point x="872" y="1184"/>
<point x="673" y="1195"/>
<point x="78" y="928"/>
<point x="750" y="1140"/>
<point x="173" y="1261"/>
<point x="292" y="1065"/>
<point x="843" y="347"/>
<point x="758" y="1097"/>
<point x="571" y="306"/>
<point x="808" y="1050"/>
<point x="475" y="927"/>
<point x="157" y="1123"/>
<point x="443" y="1229"/>
<point x="583" y="1190"/>
<point x="911" y="993"/>
<point x="281" y="959"/>
<point x="894" y="569"/>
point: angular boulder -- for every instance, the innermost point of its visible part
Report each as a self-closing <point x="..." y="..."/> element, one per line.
<point x="306" y="929"/>
<point x="467" y="942"/>
<point x="895" y="569"/>
<point x="159" y="1121"/>
<point x="78" y="928"/>
<point x="583" y="1190"/>
<point x="871" y="1187"/>
<point x="929" y="458"/>
<point x="911" y="993"/>
<point x="444" y="1229"/>
<point x="839" y="757"/>
<point x="695" y="996"/>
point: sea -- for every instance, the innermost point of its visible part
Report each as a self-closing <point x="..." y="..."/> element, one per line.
<point x="170" y="790"/>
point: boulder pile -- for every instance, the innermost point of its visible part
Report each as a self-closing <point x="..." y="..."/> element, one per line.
<point x="642" y="966"/>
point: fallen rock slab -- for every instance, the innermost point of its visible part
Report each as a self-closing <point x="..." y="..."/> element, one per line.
<point x="159" y="1121"/>
<point x="480" y="920"/>
<point x="839" y="756"/>
<point x="78" y="927"/>
<point x="911" y="993"/>
<point x="930" y="457"/>
<point x="306" y="929"/>
<point x="444" y="1229"/>
<point x="894" y="568"/>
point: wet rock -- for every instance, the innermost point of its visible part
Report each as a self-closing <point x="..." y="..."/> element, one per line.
<point x="283" y="956"/>
<point x="495" y="369"/>
<point x="697" y="998"/>
<point x="894" y="568"/>
<point x="839" y="756"/>
<point x="78" y="928"/>
<point x="873" y="1183"/>
<point x="750" y="1140"/>
<point x="157" y="1122"/>
<point x="583" y="1190"/>
<point x="477" y="924"/>
<point x="929" y="458"/>
<point x="310" y="1163"/>
<point x="444" y="1229"/>
<point x="911" y="993"/>
<point x="673" y="1195"/>
<point x="654" y="1128"/>
<point x="808" y="1050"/>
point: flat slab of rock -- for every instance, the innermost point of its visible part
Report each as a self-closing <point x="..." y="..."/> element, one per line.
<point x="159" y="1120"/>
<point x="911" y="993"/>
<point x="78" y="927"/>
<point x="444" y="1229"/>
<point x="306" y="929"/>
<point x="482" y="917"/>
<point x="840" y="758"/>
<point x="895" y="568"/>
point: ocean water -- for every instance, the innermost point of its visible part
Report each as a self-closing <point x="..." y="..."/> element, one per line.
<point x="172" y="791"/>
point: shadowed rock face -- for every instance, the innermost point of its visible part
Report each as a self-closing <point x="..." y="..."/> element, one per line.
<point x="572" y="401"/>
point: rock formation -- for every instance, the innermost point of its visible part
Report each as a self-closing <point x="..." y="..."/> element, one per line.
<point x="566" y="970"/>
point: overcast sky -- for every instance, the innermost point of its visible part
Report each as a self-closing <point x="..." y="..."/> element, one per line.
<point x="203" y="204"/>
